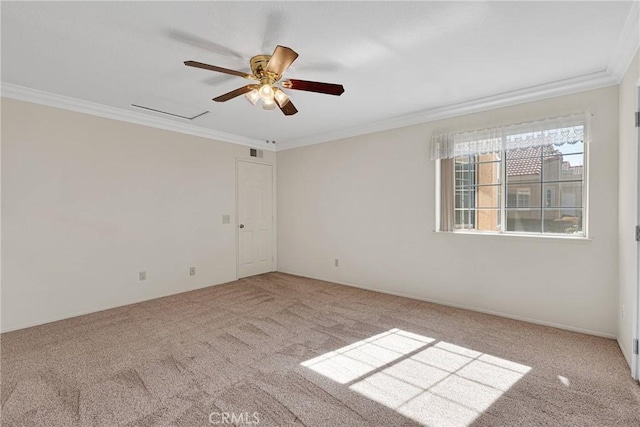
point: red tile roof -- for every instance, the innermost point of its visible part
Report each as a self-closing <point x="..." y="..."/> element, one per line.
<point x="528" y="161"/>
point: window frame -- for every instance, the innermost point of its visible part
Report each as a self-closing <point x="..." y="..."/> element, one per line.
<point x="501" y="220"/>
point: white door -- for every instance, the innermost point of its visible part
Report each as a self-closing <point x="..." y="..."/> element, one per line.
<point x="255" y="218"/>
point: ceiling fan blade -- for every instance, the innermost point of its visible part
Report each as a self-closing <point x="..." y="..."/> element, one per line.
<point x="234" y="93"/>
<point x="288" y="108"/>
<point x="281" y="59"/>
<point x="328" y="88"/>
<point x="218" y="69"/>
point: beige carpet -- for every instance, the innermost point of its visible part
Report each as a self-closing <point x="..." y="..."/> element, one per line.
<point x="285" y="350"/>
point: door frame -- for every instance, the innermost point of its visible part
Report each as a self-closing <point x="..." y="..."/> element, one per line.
<point x="274" y="209"/>
<point x="635" y="358"/>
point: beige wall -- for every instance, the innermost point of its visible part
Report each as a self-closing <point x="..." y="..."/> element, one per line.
<point x="89" y="202"/>
<point x="370" y="202"/>
<point x="628" y="207"/>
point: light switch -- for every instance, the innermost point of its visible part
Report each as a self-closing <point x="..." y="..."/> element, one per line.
<point x="226" y="219"/>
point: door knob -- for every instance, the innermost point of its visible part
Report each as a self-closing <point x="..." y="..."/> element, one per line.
<point x="241" y="225"/>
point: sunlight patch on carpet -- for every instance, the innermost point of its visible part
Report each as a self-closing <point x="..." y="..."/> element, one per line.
<point x="355" y="360"/>
<point x="564" y="380"/>
<point x="431" y="382"/>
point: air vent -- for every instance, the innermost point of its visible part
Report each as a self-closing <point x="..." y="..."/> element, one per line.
<point x="256" y="153"/>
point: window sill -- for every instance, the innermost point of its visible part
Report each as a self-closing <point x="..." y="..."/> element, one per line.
<point x="519" y="236"/>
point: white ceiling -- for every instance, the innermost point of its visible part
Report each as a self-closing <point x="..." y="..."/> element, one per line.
<point x="393" y="58"/>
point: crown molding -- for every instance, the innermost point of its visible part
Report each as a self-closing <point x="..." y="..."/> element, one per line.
<point x="506" y="99"/>
<point x="627" y="44"/>
<point x="22" y="93"/>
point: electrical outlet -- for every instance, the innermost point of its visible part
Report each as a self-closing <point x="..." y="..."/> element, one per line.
<point x="142" y="275"/>
<point x="336" y="262"/>
<point x="226" y="219"/>
<point x="192" y="271"/>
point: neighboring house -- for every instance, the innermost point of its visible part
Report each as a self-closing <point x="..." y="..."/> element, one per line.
<point x="544" y="191"/>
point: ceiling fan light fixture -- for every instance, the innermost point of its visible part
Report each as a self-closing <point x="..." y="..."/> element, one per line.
<point x="281" y="97"/>
<point x="253" y="96"/>
<point x="268" y="104"/>
<point x="266" y="92"/>
<point x="266" y="73"/>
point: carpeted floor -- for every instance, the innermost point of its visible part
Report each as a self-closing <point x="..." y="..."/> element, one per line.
<point x="282" y="350"/>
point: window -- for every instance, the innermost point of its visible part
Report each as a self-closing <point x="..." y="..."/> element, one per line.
<point x="519" y="197"/>
<point x="521" y="179"/>
<point x="523" y="197"/>
<point x="548" y="201"/>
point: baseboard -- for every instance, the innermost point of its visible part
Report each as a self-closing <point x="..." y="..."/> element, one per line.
<point x="108" y="307"/>
<point x="464" y="307"/>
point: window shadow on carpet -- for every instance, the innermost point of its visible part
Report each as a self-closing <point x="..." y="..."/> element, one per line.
<point x="430" y="381"/>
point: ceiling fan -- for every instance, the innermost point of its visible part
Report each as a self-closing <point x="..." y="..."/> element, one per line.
<point x="267" y="70"/>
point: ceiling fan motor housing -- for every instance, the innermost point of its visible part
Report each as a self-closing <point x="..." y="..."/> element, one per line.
<point x="259" y="65"/>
